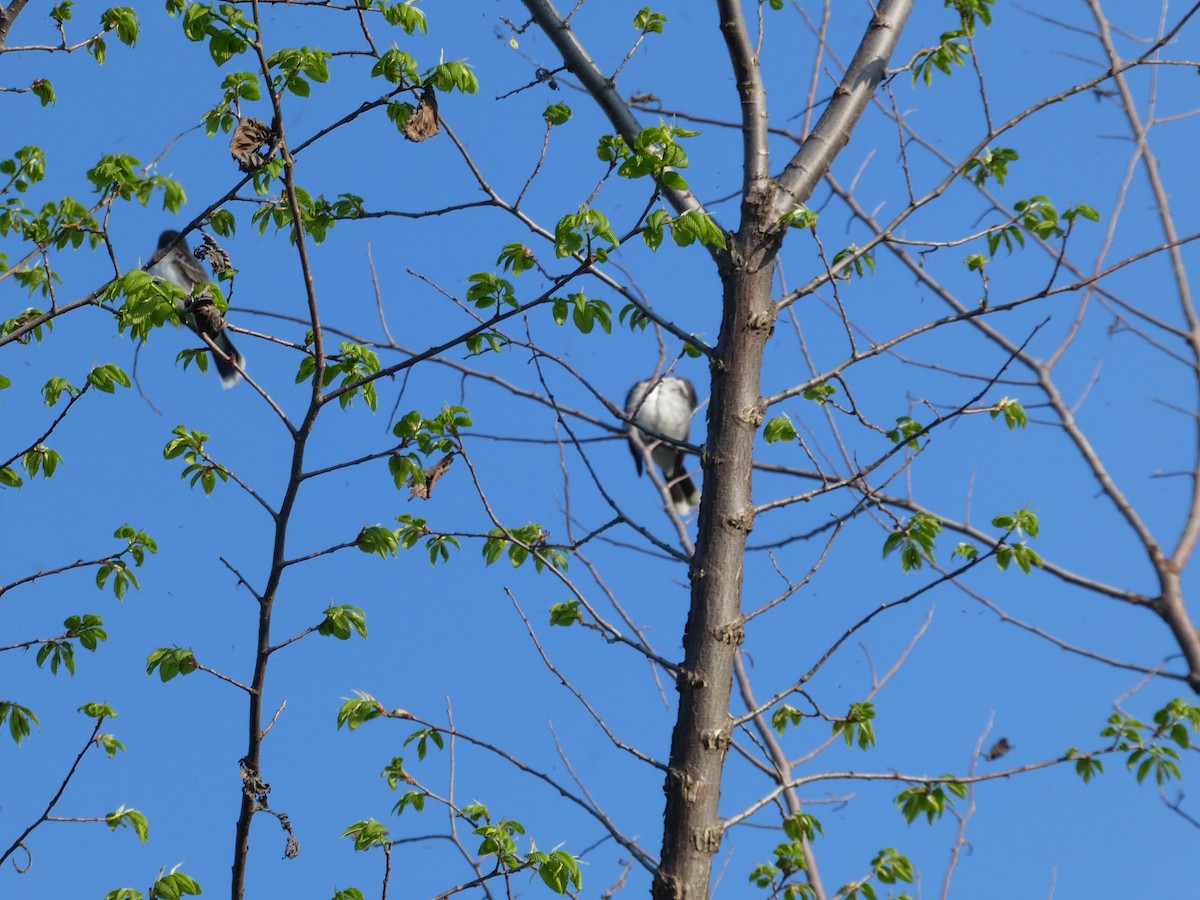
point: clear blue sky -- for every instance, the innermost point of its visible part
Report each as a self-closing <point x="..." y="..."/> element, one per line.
<point x="452" y="631"/>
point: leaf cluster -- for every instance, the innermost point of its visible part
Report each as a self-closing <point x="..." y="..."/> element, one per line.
<point x="521" y="543"/>
<point x="198" y="466"/>
<point x="930" y="800"/>
<point x="857" y="726"/>
<point x="915" y="540"/>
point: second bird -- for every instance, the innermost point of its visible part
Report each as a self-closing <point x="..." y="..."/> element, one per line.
<point x="665" y="406"/>
<point x="200" y="313"/>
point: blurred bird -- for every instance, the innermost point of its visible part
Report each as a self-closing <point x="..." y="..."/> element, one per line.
<point x="998" y="749"/>
<point x="199" y="312"/>
<point x="664" y="406"/>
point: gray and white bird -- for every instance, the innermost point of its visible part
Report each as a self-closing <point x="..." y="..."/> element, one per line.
<point x="199" y="312"/>
<point x="664" y="406"/>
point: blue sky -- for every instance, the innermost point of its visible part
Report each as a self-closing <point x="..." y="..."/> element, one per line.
<point x="452" y="631"/>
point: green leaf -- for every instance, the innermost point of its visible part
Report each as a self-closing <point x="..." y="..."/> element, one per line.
<point x="801" y="217"/>
<point x="357" y="711"/>
<point x="695" y="225"/>
<point x="171" y="661"/>
<point x="821" y="392"/>
<point x="378" y="540"/>
<point x="557" y="114"/>
<point x="852" y="261"/>
<point x="929" y="800"/>
<point x="415" y="799"/>
<point x="98" y="710"/>
<point x="405" y="14"/>
<point x="394" y="773"/>
<point x="516" y="258"/>
<point x="367" y="834"/>
<point x="130" y="818"/>
<point x="446" y="77"/>
<point x="396" y="67"/>
<point x="58" y="653"/>
<point x="801" y="825"/>
<point x="990" y="163"/>
<point x="915" y="539"/>
<point x="124" y="20"/>
<point x="489" y="290"/>
<point x="108" y="377"/>
<point x="648" y="22"/>
<point x="98" y="50"/>
<point x="906" y="431"/>
<point x="951" y="51"/>
<point x="565" y="614"/>
<point x="780" y="429"/>
<point x="578" y="234"/>
<point x="62" y="12"/>
<point x="857" y="726"/>
<point x="43" y="89"/>
<point x="19" y="718"/>
<point x="890" y="866"/>
<point x="423" y="736"/>
<point x="561" y="871"/>
<point x="784" y="716"/>
<point x="1013" y="412"/>
<point x="174" y="885"/>
<point x="1074" y="212"/>
<point x="41" y="457"/>
<point x="341" y="621"/>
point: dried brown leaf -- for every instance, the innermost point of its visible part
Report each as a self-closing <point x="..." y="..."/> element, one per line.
<point x="432" y="474"/>
<point x="423" y="123"/>
<point x="253" y="143"/>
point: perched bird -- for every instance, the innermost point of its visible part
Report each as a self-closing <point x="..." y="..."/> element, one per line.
<point x="199" y="312"/>
<point x="664" y="406"/>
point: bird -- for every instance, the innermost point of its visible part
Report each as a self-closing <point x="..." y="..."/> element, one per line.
<point x="660" y="408"/>
<point x="199" y="312"/>
<point x="998" y="749"/>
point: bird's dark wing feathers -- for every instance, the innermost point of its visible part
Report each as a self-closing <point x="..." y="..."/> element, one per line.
<point x="689" y="391"/>
<point x="635" y="450"/>
<point x="634" y="398"/>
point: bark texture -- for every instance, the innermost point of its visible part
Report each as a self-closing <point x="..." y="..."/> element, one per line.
<point x="692" y="828"/>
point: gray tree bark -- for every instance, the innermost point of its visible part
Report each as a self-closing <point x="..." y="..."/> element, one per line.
<point x="692" y="826"/>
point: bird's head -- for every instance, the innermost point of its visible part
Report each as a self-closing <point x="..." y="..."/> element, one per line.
<point x="167" y="238"/>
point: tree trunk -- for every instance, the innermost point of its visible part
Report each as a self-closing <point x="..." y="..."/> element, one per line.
<point x="692" y="833"/>
<point x="715" y="625"/>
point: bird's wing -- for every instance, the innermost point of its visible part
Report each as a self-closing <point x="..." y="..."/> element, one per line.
<point x="636" y="397"/>
<point x="189" y="267"/>
<point x="689" y="391"/>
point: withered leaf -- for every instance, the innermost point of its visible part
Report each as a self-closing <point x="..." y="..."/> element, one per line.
<point x="208" y="318"/>
<point x="213" y="252"/>
<point x="432" y="474"/>
<point x="423" y="123"/>
<point x="253" y="143"/>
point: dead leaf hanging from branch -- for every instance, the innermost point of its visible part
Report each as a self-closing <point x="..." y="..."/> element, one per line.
<point x="423" y="123"/>
<point x="253" y="143"/>
<point x="424" y="488"/>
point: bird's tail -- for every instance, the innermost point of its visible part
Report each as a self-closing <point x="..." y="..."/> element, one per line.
<point x="684" y="493"/>
<point x="229" y="375"/>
